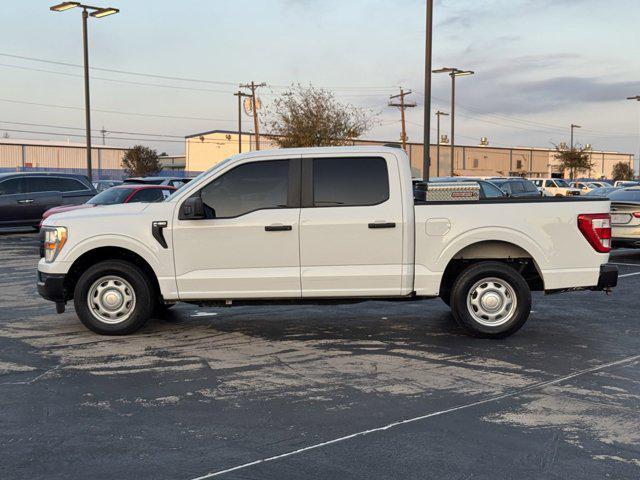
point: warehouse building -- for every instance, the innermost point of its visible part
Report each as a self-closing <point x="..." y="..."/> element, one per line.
<point x="202" y="150"/>
<point x="17" y="155"/>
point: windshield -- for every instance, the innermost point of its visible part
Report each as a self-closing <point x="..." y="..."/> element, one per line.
<point x="195" y="179"/>
<point x="111" y="196"/>
<point x="561" y="183"/>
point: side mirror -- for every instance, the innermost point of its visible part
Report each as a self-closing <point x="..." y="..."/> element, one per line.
<point x="192" y="209"/>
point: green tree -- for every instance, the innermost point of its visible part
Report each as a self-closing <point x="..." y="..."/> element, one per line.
<point x="312" y="117"/>
<point x="574" y="159"/>
<point x="140" y="161"/>
<point x="622" y="171"/>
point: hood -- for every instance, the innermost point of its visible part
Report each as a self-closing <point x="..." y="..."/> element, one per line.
<point x="66" y="208"/>
<point x="105" y="211"/>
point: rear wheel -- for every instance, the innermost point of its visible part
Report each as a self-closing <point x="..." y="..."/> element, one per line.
<point x="491" y="299"/>
<point x="114" y="297"/>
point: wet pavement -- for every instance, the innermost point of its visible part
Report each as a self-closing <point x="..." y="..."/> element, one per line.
<point x="373" y="390"/>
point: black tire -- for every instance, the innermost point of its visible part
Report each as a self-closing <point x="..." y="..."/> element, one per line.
<point x="514" y="294"/>
<point x="143" y="294"/>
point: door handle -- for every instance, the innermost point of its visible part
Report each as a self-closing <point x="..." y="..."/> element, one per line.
<point x="278" y="228"/>
<point x="382" y="225"/>
<point x="29" y="200"/>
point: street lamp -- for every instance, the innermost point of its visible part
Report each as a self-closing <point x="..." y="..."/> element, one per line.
<point x="438" y="115"/>
<point x="96" y="12"/>
<point x="573" y="126"/>
<point x="637" y="98"/>
<point x="453" y="73"/>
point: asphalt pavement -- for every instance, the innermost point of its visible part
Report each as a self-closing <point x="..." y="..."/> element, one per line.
<point x="364" y="391"/>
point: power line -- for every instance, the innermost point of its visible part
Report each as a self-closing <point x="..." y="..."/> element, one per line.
<point x="22" y="102"/>
<point x="179" y="78"/>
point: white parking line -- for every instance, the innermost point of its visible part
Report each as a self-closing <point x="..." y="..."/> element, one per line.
<point x="628" y="274"/>
<point x="534" y="386"/>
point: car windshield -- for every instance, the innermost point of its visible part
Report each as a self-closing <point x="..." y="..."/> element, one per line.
<point x="626" y="195"/>
<point x="111" y="196"/>
<point x="561" y="183"/>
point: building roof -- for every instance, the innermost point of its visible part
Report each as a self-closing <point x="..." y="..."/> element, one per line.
<point x="378" y="142"/>
<point x="55" y="143"/>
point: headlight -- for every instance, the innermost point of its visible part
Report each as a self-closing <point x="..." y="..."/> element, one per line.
<point x="54" y="240"/>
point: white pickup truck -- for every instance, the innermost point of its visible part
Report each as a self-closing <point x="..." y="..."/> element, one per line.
<point x="322" y="224"/>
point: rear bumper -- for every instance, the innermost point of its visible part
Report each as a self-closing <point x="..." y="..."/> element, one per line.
<point x="51" y="286"/>
<point x="608" y="277"/>
<point x="625" y="242"/>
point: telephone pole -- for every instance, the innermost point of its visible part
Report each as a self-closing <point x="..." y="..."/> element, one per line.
<point x="104" y="134"/>
<point x="402" y="106"/>
<point x="240" y="94"/>
<point x="253" y="87"/>
<point x="573" y="126"/>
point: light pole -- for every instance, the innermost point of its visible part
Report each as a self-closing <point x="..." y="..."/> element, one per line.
<point x="453" y="73"/>
<point x="96" y="12"/>
<point x="438" y="115"/>
<point x="573" y="126"/>
<point x="426" y="161"/>
<point x="636" y="98"/>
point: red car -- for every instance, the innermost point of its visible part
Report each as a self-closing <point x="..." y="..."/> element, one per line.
<point x="127" y="193"/>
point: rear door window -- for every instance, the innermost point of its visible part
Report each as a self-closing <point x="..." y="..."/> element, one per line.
<point x="54" y="184"/>
<point x="355" y="181"/>
<point x="517" y="187"/>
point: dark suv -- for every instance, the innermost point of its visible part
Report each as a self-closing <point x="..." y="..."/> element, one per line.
<point x="517" y="187"/>
<point x="24" y="197"/>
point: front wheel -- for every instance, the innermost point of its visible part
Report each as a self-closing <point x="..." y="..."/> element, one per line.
<point x="491" y="299"/>
<point x="114" y="297"/>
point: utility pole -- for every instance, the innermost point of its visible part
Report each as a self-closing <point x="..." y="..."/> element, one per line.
<point x="402" y="106"/>
<point x="438" y="115"/>
<point x="572" y="127"/>
<point x="256" y="128"/>
<point x="426" y="161"/>
<point x="636" y="98"/>
<point x="240" y="94"/>
<point x="104" y="133"/>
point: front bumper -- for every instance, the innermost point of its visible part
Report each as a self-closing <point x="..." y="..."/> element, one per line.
<point x="51" y="286"/>
<point x="608" y="277"/>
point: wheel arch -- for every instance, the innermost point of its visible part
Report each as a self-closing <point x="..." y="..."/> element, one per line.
<point x="502" y="251"/>
<point x="98" y="254"/>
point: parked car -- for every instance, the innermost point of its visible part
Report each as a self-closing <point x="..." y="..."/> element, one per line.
<point x="101" y="185"/>
<point x="118" y="194"/>
<point x="554" y="187"/>
<point x="585" y="187"/>
<point x="287" y="225"/>
<point x="176" y="182"/>
<point x="24" y="197"/>
<point x="626" y="183"/>
<point x="602" y="192"/>
<point x="625" y="217"/>
<point x="517" y="187"/>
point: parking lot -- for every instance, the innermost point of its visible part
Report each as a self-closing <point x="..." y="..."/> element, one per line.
<point x="372" y="390"/>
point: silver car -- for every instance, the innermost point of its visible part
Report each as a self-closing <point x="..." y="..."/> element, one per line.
<point x="625" y="217"/>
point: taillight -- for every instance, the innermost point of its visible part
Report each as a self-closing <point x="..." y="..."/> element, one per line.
<point x="636" y="214"/>
<point x="596" y="228"/>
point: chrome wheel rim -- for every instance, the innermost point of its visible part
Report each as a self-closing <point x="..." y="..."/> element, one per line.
<point x="492" y="302"/>
<point x="111" y="299"/>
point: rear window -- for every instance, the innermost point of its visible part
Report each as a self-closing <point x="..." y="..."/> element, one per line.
<point x="354" y="181"/>
<point x="149" y="195"/>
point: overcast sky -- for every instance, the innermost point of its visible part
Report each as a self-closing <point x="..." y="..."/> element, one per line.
<point x="540" y="65"/>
